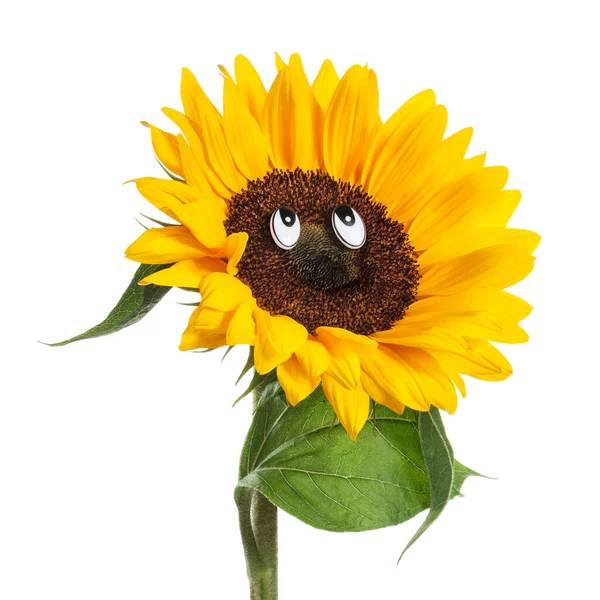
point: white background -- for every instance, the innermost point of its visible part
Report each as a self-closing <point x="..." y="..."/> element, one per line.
<point x="118" y="456"/>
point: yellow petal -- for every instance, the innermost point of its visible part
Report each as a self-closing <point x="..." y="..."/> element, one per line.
<point x="433" y="382"/>
<point x="281" y="144"/>
<point x="308" y="117"/>
<point x="185" y="273"/>
<point x="196" y="103"/>
<point x="279" y="62"/>
<point x="491" y="356"/>
<point x="243" y="134"/>
<point x="494" y="267"/>
<point x="242" y="328"/>
<point x="489" y="314"/>
<point x="424" y="337"/>
<point x="234" y="249"/>
<point x="212" y="320"/>
<point x="224" y="72"/>
<point x="204" y="154"/>
<point x="374" y="98"/>
<point x="161" y="246"/>
<point x="204" y="220"/>
<point x="208" y="124"/>
<point x="351" y="120"/>
<point x="453" y="150"/>
<point x="251" y="87"/>
<point x="456" y="379"/>
<point x="350" y="406"/>
<point x="407" y="113"/>
<point x="434" y="375"/>
<point x="165" y="194"/>
<point x="313" y="357"/>
<point x="218" y="155"/>
<point x="475" y="163"/>
<point x="325" y="83"/>
<point x="294" y="380"/>
<point x="277" y="338"/>
<point x="468" y="241"/>
<point x="344" y="347"/>
<point x="460" y="205"/>
<point x="445" y="167"/>
<point x="402" y="121"/>
<point x="389" y="371"/>
<point x="380" y="395"/>
<point x="404" y="162"/>
<point x="166" y="149"/>
<point x="221" y="291"/>
<point x="290" y="117"/>
<point x="495" y="302"/>
<point x="345" y="335"/>
<point x="501" y="209"/>
<point x="206" y="329"/>
<point x="192" y="171"/>
<point x="481" y="360"/>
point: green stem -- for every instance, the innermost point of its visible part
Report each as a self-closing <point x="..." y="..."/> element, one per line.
<point x="258" y="528"/>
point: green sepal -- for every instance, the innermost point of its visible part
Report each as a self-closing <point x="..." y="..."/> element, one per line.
<point x="249" y="364"/>
<point x="171" y="175"/>
<point x="302" y="460"/>
<point x="258" y="384"/>
<point x="135" y="303"/>
<point x="157" y="222"/>
<point x="229" y="349"/>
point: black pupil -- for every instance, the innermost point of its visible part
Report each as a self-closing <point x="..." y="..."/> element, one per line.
<point x="288" y="217"/>
<point x="346" y="215"/>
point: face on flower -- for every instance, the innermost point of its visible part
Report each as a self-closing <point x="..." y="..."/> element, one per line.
<point x="323" y="253"/>
<point x="368" y="256"/>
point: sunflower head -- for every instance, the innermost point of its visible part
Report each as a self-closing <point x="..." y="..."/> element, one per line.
<point x="365" y="256"/>
<point x="323" y="269"/>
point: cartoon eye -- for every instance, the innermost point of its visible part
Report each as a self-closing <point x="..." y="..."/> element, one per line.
<point x="285" y="228"/>
<point x="348" y="227"/>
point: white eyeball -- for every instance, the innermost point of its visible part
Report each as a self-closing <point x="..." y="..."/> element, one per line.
<point x="348" y="227"/>
<point x="285" y="228"/>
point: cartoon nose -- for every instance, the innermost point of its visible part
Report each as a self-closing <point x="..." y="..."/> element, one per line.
<point x="321" y="260"/>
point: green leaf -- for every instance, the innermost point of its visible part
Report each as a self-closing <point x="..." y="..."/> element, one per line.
<point x="439" y="458"/>
<point x="136" y="302"/>
<point x="303" y="461"/>
<point x="460" y="475"/>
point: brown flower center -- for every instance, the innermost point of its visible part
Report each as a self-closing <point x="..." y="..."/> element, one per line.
<point x="320" y="280"/>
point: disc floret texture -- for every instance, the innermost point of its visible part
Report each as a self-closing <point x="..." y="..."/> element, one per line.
<point x="399" y="319"/>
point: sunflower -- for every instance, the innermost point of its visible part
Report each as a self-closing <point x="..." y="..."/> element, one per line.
<point x="368" y="257"/>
